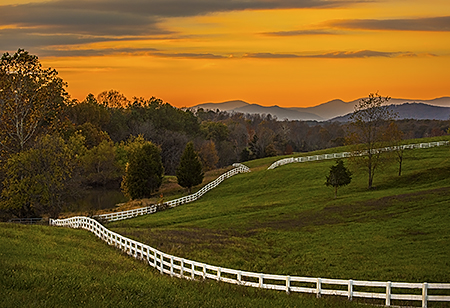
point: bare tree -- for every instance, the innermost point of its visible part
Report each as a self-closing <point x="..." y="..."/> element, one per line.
<point x="366" y="132"/>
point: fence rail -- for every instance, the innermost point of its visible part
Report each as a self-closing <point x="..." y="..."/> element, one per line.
<point x="302" y="159"/>
<point x="184" y="268"/>
<point x="239" y="168"/>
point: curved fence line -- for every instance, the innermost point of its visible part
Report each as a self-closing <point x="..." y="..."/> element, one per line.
<point x="184" y="268"/>
<point x="289" y="160"/>
<point x="239" y="168"/>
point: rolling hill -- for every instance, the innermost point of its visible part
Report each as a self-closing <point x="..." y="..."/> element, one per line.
<point x="418" y="109"/>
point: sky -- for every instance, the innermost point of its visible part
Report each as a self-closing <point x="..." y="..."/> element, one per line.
<point x="290" y="53"/>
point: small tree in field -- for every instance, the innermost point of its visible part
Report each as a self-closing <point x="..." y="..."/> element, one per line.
<point x="339" y="176"/>
<point x="367" y="132"/>
<point x="394" y="138"/>
<point x="144" y="171"/>
<point x="189" y="172"/>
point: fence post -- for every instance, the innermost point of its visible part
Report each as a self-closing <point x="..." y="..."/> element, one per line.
<point x="218" y="273"/>
<point x="350" y="290"/>
<point x="204" y="271"/>
<point x="288" y="284"/>
<point x="171" y="266"/>
<point x="182" y="268"/>
<point x="239" y="277"/>
<point x="318" y="287"/>
<point x="261" y="282"/>
<point x="193" y="270"/>
<point x="425" y="295"/>
<point x="162" y="264"/>
<point x="388" y="293"/>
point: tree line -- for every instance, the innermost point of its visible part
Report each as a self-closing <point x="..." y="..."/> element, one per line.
<point x="52" y="146"/>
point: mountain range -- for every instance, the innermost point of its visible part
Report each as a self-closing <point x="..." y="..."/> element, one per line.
<point x="338" y="110"/>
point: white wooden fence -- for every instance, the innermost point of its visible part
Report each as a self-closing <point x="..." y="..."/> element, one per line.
<point x="289" y="160"/>
<point x="239" y="168"/>
<point x="184" y="268"/>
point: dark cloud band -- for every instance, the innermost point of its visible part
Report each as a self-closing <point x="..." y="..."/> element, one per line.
<point x="333" y="55"/>
<point x="418" y="24"/>
<point x="301" y="33"/>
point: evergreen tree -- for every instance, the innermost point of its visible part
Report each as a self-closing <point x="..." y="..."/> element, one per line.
<point x="339" y="176"/>
<point x="189" y="172"/>
<point x="144" y="171"/>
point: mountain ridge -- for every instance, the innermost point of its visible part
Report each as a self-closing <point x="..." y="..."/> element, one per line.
<point x="326" y="111"/>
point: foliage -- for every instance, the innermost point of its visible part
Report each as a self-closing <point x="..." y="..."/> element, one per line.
<point x="339" y="176"/>
<point x="144" y="171"/>
<point x="280" y="221"/>
<point x="113" y="99"/>
<point x="31" y="101"/>
<point x="100" y="165"/>
<point x="93" y="134"/>
<point x="367" y="131"/>
<point x="40" y="180"/>
<point x="189" y="172"/>
<point x="215" y="131"/>
<point x="208" y="155"/>
<point x="89" y="111"/>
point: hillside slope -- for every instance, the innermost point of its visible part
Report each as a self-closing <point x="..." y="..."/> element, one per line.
<point x="58" y="267"/>
<point x="285" y="221"/>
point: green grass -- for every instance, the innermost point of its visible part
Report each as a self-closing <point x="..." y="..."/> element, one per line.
<point x="285" y="221"/>
<point x="43" y="266"/>
<point x="281" y="221"/>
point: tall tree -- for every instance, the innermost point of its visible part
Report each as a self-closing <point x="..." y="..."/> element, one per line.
<point x="100" y="165"/>
<point x="144" y="171"/>
<point x="40" y="180"/>
<point x="366" y="132"/>
<point x="113" y="99"/>
<point x="189" y="172"/>
<point x="31" y="101"/>
<point x="339" y="176"/>
<point x="208" y="155"/>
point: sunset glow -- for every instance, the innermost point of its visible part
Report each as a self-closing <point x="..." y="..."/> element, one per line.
<point x="287" y="53"/>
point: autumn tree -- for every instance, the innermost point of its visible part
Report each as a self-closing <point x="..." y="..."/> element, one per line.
<point x="208" y="155"/>
<point x="366" y="132"/>
<point x="189" y="171"/>
<point x="41" y="180"/>
<point x="339" y="176"/>
<point x="113" y="99"/>
<point x="144" y="171"/>
<point x="89" y="111"/>
<point x="31" y="101"/>
<point x="394" y="137"/>
<point x="100" y="165"/>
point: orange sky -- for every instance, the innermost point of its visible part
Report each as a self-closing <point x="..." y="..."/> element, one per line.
<point x="287" y="53"/>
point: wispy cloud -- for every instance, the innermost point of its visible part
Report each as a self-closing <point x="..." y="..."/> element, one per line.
<point x="40" y="25"/>
<point x="301" y="32"/>
<point x="417" y="24"/>
<point x="332" y="55"/>
<point x="188" y="55"/>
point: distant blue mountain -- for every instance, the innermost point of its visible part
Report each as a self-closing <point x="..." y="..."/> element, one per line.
<point x="416" y="111"/>
<point x="336" y="109"/>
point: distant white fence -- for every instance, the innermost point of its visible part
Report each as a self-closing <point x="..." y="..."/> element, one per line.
<point x="289" y="160"/>
<point x="184" y="268"/>
<point x="239" y="168"/>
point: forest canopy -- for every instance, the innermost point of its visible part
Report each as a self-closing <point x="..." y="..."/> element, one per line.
<point x="93" y="138"/>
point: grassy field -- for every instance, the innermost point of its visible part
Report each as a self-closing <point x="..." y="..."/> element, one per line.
<point x="281" y="221"/>
<point x="286" y="221"/>
<point x="43" y="266"/>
